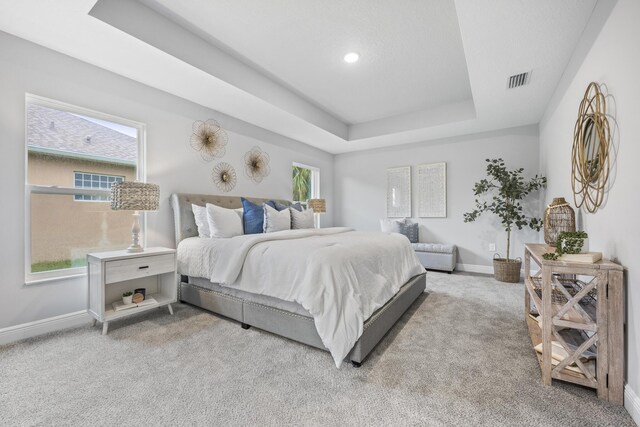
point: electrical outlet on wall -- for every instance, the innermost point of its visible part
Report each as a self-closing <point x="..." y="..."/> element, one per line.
<point x="492" y="247"/>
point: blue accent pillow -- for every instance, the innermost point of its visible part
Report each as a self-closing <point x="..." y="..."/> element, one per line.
<point x="280" y="207"/>
<point x="252" y="217"/>
<point x="277" y="205"/>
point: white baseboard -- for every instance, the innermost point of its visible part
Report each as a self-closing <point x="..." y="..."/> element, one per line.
<point x="632" y="403"/>
<point x="473" y="268"/>
<point x="44" y="326"/>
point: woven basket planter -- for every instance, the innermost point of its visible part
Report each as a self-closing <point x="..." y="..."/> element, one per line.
<point x="506" y="270"/>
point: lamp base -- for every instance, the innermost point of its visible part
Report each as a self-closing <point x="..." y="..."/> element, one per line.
<point x="135" y="245"/>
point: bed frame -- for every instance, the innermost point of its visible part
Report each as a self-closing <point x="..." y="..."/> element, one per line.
<point x="289" y="325"/>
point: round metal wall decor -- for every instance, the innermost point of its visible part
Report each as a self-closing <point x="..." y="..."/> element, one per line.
<point x="209" y="139"/>
<point x="224" y="176"/>
<point x="256" y="164"/>
<point x="590" y="152"/>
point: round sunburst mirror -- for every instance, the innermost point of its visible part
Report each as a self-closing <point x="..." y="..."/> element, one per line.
<point x="224" y="177"/>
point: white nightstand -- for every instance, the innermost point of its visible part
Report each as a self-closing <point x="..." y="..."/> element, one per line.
<point x="113" y="273"/>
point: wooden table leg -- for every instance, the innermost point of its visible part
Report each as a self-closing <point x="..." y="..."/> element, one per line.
<point x="527" y="274"/>
<point x="170" y="309"/>
<point x="546" y="325"/>
<point x="105" y="328"/>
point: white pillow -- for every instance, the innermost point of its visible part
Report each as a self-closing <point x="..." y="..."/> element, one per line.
<point x="200" y="215"/>
<point x="275" y="220"/>
<point x="224" y="222"/>
<point x="391" y="225"/>
<point x="302" y="219"/>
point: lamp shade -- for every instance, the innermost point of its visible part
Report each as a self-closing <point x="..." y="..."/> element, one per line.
<point x="135" y="196"/>
<point x="317" y="205"/>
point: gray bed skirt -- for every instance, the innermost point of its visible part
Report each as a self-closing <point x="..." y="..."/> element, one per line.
<point x="299" y="327"/>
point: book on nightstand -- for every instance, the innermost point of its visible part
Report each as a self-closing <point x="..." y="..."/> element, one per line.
<point x="119" y="305"/>
<point x="589" y="257"/>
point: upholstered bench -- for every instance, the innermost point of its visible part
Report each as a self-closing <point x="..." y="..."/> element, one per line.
<point x="435" y="256"/>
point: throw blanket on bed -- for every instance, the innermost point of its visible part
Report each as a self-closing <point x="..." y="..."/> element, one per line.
<point x="339" y="275"/>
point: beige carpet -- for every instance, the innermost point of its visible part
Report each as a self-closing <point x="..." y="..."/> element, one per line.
<point x="460" y="356"/>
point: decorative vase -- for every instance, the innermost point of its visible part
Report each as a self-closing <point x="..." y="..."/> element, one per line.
<point x="506" y="270"/>
<point x="558" y="217"/>
<point x="127" y="300"/>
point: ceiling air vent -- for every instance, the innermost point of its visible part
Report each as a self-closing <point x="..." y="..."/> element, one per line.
<point x="518" y="80"/>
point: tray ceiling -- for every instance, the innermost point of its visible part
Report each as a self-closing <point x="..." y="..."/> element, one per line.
<point x="427" y="69"/>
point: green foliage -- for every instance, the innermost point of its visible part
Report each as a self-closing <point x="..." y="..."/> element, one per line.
<point x="127" y="294"/>
<point x="508" y="188"/>
<point x="573" y="242"/>
<point x="301" y="184"/>
<point x="38" y="267"/>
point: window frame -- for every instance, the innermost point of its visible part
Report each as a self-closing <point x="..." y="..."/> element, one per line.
<point x="73" y="272"/>
<point x="100" y="175"/>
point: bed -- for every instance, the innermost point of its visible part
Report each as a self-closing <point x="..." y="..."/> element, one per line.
<point x="283" y="317"/>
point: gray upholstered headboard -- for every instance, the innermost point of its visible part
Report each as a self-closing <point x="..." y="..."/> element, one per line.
<point x="185" y="223"/>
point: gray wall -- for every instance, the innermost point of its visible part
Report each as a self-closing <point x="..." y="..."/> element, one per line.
<point x="171" y="163"/>
<point x="360" y="197"/>
<point x="612" y="60"/>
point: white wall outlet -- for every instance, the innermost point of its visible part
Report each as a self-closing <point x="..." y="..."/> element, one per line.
<point x="492" y="247"/>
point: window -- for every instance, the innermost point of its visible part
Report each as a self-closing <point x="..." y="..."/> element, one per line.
<point x="75" y="155"/>
<point x="306" y="185"/>
<point x="92" y="180"/>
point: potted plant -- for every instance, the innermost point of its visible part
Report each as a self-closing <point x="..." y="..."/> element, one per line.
<point x="508" y="189"/>
<point x="127" y="297"/>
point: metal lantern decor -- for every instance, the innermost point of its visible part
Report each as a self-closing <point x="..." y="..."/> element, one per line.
<point x="135" y="196"/>
<point x="558" y="217"/>
<point x="209" y="139"/>
<point x="224" y="176"/>
<point x="256" y="164"/>
<point x="590" y="152"/>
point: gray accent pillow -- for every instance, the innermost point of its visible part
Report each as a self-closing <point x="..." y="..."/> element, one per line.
<point x="409" y="230"/>
<point x="275" y="220"/>
<point x="300" y="220"/>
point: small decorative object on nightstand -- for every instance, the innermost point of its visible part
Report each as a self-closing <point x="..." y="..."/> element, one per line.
<point x="113" y="274"/>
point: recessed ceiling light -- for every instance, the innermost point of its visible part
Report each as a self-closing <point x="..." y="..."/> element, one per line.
<point x="351" y="57"/>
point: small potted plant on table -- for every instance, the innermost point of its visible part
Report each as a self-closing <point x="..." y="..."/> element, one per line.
<point x="127" y="297"/>
<point x="509" y="188"/>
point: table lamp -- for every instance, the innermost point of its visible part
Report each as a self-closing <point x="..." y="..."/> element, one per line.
<point x="318" y="206"/>
<point x="136" y="197"/>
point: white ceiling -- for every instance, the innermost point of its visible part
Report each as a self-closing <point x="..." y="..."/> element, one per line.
<point x="429" y="69"/>
<point x="411" y="55"/>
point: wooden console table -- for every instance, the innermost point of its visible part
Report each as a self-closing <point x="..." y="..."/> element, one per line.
<point x="581" y="309"/>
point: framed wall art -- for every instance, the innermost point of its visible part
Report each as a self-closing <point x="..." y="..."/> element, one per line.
<point x="432" y="190"/>
<point x="399" y="192"/>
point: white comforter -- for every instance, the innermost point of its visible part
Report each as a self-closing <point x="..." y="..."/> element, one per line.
<point x="339" y="275"/>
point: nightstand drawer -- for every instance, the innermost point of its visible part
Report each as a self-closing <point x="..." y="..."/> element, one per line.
<point x="127" y="269"/>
